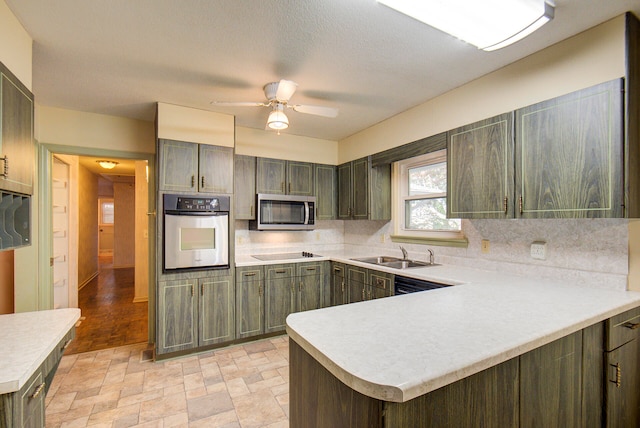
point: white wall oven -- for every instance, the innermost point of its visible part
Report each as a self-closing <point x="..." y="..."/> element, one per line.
<point x="196" y="232"/>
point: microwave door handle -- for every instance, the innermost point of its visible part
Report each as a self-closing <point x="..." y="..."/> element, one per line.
<point x="306" y="213"/>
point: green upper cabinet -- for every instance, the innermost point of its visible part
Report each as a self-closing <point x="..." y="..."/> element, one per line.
<point x="480" y="169"/>
<point x="244" y="172"/>
<point x="326" y="186"/>
<point x="569" y="153"/>
<point x="281" y="177"/>
<point x="364" y="192"/>
<point x="216" y="169"/>
<point x="190" y="167"/>
<point x="564" y="159"/>
<point x="17" y="151"/>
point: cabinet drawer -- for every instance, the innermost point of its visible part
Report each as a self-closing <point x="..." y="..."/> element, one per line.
<point x="622" y="328"/>
<point x="31" y="413"/>
<point x="249" y="273"/>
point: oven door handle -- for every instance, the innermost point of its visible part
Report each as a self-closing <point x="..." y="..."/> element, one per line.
<point x="197" y="213"/>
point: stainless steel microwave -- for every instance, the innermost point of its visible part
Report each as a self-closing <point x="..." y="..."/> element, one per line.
<point x="284" y="212"/>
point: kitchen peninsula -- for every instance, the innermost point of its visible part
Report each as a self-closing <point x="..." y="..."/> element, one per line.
<point x="31" y="347"/>
<point x="498" y="350"/>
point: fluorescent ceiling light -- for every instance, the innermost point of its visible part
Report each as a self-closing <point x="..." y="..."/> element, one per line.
<point x="487" y="24"/>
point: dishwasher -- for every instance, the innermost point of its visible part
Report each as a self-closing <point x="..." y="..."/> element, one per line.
<point x="406" y="285"/>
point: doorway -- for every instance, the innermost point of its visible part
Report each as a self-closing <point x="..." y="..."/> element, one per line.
<point x="113" y="292"/>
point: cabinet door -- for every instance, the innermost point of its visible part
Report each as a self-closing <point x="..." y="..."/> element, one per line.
<point x="244" y="172"/>
<point x="178" y="164"/>
<point x="550" y="384"/>
<point x="339" y="292"/>
<point x="16" y="138"/>
<point x="345" y="208"/>
<point x="480" y="169"/>
<point x="381" y="283"/>
<point x="30" y="413"/>
<point x="356" y="282"/>
<point x="326" y="192"/>
<point x="249" y="302"/>
<point x="300" y="177"/>
<point x="380" y="194"/>
<point x="360" y="183"/>
<point x="310" y="278"/>
<point x="569" y="152"/>
<point x="215" y="168"/>
<point x="279" y="295"/>
<point x="177" y="328"/>
<point x="271" y="176"/>
<point x="217" y="310"/>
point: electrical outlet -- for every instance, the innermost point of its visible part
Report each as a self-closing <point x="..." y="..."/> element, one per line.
<point x="484" y="246"/>
<point x="382" y="238"/>
<point x="539" y="250"/>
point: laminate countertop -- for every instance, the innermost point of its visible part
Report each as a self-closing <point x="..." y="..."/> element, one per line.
<point x="401" y="347"/>
<point x="27" y="339"/>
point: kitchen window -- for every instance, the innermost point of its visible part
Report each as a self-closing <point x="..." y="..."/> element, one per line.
<point x="420" y="200"/>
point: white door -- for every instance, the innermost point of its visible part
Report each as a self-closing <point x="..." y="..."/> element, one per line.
<point x="60" y="220"/>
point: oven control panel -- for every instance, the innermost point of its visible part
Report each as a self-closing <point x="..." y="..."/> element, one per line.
<point x="198" y="204"/>
<point x="194" y="203"/>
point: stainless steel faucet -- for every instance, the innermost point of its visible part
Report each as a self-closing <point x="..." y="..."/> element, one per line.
<point x="405" y="256"/>
<point x="431" y="256"/>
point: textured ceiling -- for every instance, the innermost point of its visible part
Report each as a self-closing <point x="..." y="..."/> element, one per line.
<point x="120" y="57"/>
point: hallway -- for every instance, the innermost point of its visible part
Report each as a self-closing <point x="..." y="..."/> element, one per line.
<point x="109" y="317"/>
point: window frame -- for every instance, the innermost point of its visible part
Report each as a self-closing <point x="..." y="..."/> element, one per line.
<point x="400" y="194"/>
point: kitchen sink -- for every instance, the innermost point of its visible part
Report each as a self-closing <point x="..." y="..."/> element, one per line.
<point x="394" y="262"/>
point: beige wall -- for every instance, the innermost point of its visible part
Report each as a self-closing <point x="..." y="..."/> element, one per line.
<point x="15" y="46"/>
<point x="123" y="225"/>
<point x="592" y="57"/>
<point x="80" y="129"/>
<point x="256" y="142"/>
<point x="194" y="125"/>
<point x="87" y="225"/>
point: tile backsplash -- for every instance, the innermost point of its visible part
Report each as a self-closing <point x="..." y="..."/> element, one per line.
<point x="589" y="252"/>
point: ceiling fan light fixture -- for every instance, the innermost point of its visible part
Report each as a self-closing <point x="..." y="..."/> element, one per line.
<point x="277" y="119"/>
<point x="487" y="24"/>
<point x="107" y="164"/>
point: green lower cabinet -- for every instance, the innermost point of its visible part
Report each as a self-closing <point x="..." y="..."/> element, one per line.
<point x="249" y="301"/>
<point x="217" y="310"/>
<point x="339" y="290"/>
<point x="279" y="286"/>
<point x="357" y="283"/>
<point x="195" y="312"/>
<point x="311" y="284"/>
<point x="380" y="284"/>
<point x="176" y="325"/>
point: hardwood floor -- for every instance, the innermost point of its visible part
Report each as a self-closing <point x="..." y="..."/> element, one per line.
<point x="109" y="316"/>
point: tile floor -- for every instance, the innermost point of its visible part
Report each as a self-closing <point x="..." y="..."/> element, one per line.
<point x="240" y="386"/>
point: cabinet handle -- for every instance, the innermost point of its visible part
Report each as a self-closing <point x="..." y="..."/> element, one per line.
<point x="520" y="203"/>
<point x="379" y="281"/>
<point x="363" y="296"/>
<point x="260" y="290"/>
<point x="202" y="182"/>
<point x="202" y="289"/>
<point x="5" y="169"/>
<point x="632" y="326"/>
<point x="251" y="211"/>
<point x="300" y="286"/>
<point x="506" y="201"/>
<point x="282" y="186"/>
<point x="66" y="345"/>
<point x="618" y="380"/>
<point x="342" y="286"/>
<point x="289" y="187"/>
<point x="249" y="274"/>
<point x="192" y="291"/>
<point x="281" y="271"/>
<point x="193" y="181"/>
<point x="38" y="391"/>
<point x="310" y="268"/>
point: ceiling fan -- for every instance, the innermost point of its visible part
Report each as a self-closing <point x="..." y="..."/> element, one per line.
<point x="278" y="95"/>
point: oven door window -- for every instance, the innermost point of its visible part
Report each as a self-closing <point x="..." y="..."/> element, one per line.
<point x="195" y="238"/>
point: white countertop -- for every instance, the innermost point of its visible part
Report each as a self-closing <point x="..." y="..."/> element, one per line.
<point x="401" y="347"/>
<point x="26" y="341"/>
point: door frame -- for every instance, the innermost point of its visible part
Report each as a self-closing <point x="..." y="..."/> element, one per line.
<point x="45" y="241"/>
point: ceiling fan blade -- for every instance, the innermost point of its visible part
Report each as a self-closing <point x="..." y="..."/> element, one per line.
<point x="238" y="104"/>
<point x="317" y="110"/>
<point x="286" y="89"/>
